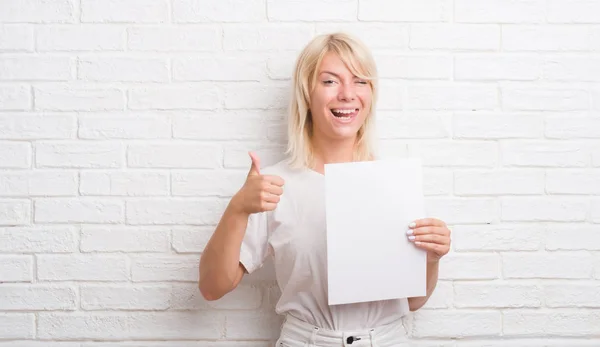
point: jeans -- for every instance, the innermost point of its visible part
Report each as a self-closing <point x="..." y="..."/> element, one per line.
<point x="297" y="333"/>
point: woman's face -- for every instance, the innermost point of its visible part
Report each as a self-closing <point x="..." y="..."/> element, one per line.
<point x="340" y="101"/>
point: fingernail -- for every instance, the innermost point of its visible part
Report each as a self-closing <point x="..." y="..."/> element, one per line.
<point x="412" y="225"/>
<point x="412" y="238"/>
<point x="409" y="232"/>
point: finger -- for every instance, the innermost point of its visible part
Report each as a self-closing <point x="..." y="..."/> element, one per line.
<point x="433" y="247"/>
<point x="271" y="198"/>
<point x="268" y="206"/>
<point x="427" y="222"/>
<point x="275" y="180"/>
<point x="427" y="230"/>
<point x="431" y="238"/>
<point x="255" y="167"/>
<point x="272" y="189"/>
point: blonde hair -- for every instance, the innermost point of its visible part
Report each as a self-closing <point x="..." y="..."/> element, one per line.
<point x="359" y="61"/>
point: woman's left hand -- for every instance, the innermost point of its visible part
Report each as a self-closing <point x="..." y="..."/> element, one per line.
<point x="431" y="235"/>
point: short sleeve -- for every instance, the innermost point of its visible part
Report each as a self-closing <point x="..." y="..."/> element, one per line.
<point x="254" y="249"/>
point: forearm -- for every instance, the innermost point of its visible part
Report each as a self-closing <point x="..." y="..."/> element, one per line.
<point x="416" y="303"/>
<point x="219" y="262"/>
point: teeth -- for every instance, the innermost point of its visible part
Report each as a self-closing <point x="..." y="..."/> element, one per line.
<point x="343" y="111"/>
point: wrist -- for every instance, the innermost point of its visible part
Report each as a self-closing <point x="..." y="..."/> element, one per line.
<point x="236" y="206"/>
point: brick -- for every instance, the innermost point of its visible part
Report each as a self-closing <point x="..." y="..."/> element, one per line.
<point x="15" y="155"/>
<point x="16" y="268"/>
<point x="15" y="97"/>
<point x="573" y="182"/>
<point x="81" y="37"/>
<point x="494" y="67"/>
<point x="571" y="68"/>
<point x="255" y="96"/>
<point x="174" y="98"/>
<point x="403" y="11"/>
<point x="129" y="297"/>
<point x="37" y="297"/>
<point x="26" y="126"/>
<point x="497" y="237"/>
<point x="79" y="154"/>
<point x="392" y="96"/>
<point x="17" y="325"/>
<point x="480" y="37"/>
<point x="207" y="183"/>
<point x="123" y="69"/>
<point x="567" y="265"/>
<point x="38" y="344"/>
<point x="236" y="155"/>
<point x="462" y="210"/>
<point x="262" y="325"/>
<point x="467" y="154"/>
<point x="595" y="214"/>
<point x="377" y="35"/>
<point x="37" y="11"/>
<point x="548" y="323"/>
<point x="544" y="209"/>
<point x="115" y="326"/>
<point x="578" y="11"/>
<point x="124" y="11"/>
<point x="78" y="210"/>
<point x="497" y="295"/>
<point x="572" y="127"/>
<point x="457" y="324"/>
<point x="414" y="66"/>
<point x="78" y="98"/>
<point x="40" y="68"/>
<point x="499" y="182"/>
<point x="413" y="125"/>
<point x="452" y="97"/>
<point x="36" y="183"/>
<point x="490" y="125"/>
<point x="165" y="268"/>
<point x="191" y="239"/>
<point x="545" y="38"/>
<point x="169" y="39"/>
<point x="119" y="238"/>
<point x="227" y="125"/>
<point x="79" y="267"/>
<point x="596" y="266"/>
<point x="39" y="239"/>
<point x="568" y="294"/>
<point x="569" y="237"/>
<point x="125" y="125"/>
<point x="470" y="267"/>
<point x="162" y="211"/>
<point x="544" y="98"/>
<point x="265" y="37"/>
<point x="544" y="154"/>
<point x="437" y="182"/>
<point x="130" y="183"/>
<point x="329" y="11"/>
<point x="281" y="66"/>
<point x="220" y="68"/>
<point x="186" y="296"/>
<point x="16" y="37"/>
<point x="200" y="11"/>
<point x="174" y="155"/>
<point x="499" y="11"/>
<point x="15" y="212"/>
<point x="530" y="342"/>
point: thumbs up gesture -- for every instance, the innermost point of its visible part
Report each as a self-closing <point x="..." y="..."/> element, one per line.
<point x="260" y="192"/>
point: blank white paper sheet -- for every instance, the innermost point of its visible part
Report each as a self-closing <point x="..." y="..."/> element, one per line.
<point x="368" y="208"/>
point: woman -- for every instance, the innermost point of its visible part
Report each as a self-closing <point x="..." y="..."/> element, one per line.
<point x="280" y="212"/>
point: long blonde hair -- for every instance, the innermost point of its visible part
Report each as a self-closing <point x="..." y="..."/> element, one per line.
<point x="359" y="60"/>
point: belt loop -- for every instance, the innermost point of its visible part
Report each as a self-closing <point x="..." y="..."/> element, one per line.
<point x="313" y="336"/>
<point x="372" y="338"/>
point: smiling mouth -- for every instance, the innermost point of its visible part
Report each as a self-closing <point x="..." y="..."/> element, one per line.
<point x="344" y="113"/>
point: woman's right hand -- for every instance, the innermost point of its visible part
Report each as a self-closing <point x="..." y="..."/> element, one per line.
<point x="260" y="192"/>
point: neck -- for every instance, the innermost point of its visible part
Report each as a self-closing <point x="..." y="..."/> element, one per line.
<point x="328" y="151"/>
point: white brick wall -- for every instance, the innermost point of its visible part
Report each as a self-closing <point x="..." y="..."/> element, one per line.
<point x="125" y="126"/>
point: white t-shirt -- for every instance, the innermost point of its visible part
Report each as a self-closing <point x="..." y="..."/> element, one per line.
<point x="295" y="235"/>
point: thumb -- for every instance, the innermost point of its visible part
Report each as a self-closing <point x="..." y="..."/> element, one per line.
<point x="255" y="167"/>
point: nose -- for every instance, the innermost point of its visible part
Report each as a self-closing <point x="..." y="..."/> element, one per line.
<point x="347" y="92"/>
